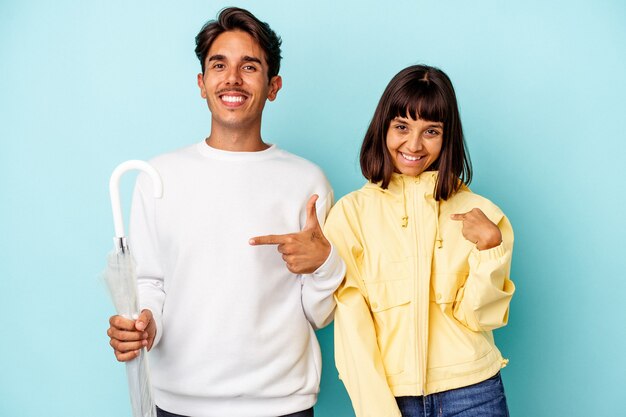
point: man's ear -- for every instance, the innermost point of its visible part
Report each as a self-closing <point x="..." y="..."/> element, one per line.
<point x="276" y="83"/>
<point x="201" y="85"/>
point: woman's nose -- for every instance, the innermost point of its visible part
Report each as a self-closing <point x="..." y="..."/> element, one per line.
<point x="415" y="143"/>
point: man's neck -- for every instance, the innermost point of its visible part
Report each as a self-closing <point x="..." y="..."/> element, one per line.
<point x="236" y="140"/>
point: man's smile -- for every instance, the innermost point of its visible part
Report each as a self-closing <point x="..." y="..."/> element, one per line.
<point x="233" y="97"/>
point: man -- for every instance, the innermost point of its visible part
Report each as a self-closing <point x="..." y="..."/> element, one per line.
<point x="229" y="320"/>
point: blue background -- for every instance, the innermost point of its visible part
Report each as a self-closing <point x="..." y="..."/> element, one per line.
<point x="87" y="85"/>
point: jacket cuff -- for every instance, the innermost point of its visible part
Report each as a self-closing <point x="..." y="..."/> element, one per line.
<point x="493" y="254"/>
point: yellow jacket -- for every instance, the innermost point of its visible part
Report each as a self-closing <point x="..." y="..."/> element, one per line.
<point x="415" y="312"/>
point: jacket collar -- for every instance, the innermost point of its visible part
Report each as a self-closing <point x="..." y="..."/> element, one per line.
<point x="397" y="189"/>
<point x="398" y="183"/>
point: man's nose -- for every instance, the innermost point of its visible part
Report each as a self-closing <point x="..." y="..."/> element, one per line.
<point x="233" y="77"/>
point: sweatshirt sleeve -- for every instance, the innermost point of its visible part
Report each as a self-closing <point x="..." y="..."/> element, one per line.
<point x="318" y="288"/>
<point x="143" y="246"/>
<point x="482" y="303"/>
<point x="357" y="356"/>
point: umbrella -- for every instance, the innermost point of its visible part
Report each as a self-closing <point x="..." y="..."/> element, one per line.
<point x="122" y="282"/>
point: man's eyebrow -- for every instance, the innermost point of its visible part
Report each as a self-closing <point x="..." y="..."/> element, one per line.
<point x="247" y="58"/>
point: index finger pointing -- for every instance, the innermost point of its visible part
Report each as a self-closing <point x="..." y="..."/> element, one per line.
<point x="268" y="240"/>
<point x="459" y="216"/>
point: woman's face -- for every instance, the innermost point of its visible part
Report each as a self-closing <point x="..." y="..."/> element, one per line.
<point x="414" y="144"/>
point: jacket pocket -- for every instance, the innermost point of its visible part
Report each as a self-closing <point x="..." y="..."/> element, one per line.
<point x="455" y="349"/>
<point x="444" y="286"/>
<point x="390" y="303"/>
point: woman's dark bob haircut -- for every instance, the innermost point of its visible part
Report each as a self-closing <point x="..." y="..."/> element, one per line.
<point x="234" y="18"/>
<point x="419" y="92"/>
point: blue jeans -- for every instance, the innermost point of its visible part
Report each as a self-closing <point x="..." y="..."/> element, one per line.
<point x="485" y="399"/>
<point x="305" y="413"/>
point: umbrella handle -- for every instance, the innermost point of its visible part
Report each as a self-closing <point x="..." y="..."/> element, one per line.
<point x="114" y="190"/>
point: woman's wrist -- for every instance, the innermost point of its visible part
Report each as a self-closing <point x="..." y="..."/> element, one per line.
<point x="489" y="241"/>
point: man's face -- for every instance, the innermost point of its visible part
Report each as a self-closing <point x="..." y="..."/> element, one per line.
<point x="235" y="81"/>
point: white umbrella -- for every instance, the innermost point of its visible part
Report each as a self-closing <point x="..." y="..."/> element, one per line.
<point x="122" y="282"/>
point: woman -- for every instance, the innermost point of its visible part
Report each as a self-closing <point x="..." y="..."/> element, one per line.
<point x="427" y="264"/>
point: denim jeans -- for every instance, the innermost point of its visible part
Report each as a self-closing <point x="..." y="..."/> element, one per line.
<point x="485" y="399"/>
<point x="305" y="413"/>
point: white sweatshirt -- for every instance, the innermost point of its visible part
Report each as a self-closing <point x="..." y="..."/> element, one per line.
<point x="235" y="329"/>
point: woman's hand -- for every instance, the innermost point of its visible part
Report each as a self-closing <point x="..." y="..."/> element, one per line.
<point x="478" y="229"/>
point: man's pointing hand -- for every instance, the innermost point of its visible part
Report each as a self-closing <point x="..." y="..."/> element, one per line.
<point x="304" y="251"/>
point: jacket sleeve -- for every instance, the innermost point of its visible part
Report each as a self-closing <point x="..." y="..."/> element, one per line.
<point x="357" y="356"/>
<point x="143" y="246"/>
<point x="318" y="288"/>
<point x="482" y="303"/>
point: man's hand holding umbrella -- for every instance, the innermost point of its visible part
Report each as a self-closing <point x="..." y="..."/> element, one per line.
<point x="128" y="336"/>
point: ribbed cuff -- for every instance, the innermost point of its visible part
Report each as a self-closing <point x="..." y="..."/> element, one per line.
<point x="333" y="267"/>
<point x="496" y="253"/>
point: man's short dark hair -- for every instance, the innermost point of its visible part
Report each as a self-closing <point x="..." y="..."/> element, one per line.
<point x="234" y="18"/>
<point x="426" y="93"/>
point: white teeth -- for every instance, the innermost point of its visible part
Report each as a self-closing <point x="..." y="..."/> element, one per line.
<point x="411" y="158"/>
<point x="233" y="99"/>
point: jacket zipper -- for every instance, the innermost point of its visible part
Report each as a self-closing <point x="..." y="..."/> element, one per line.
<point x="419" y="318"/>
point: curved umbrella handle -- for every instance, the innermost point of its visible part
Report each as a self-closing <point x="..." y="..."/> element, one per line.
<point x="114" y="189"/>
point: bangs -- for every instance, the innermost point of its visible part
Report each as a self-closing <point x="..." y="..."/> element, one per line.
<point x="419" y="99"/>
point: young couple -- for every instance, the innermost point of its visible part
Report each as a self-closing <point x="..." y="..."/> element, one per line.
<point x="235" y="271"/>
